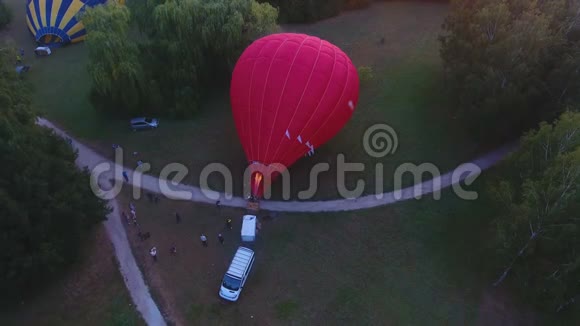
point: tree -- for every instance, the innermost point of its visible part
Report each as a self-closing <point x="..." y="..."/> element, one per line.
<point x="261" y="21"/>
<point x="5" y="15"/>
<point x="141" y="14"/>
<point x="46" y="205"/>
<point x="114" y="66"/>
<point x="509" y="64"/>
<point x="189" y="48"/>
<point x="538" y="228"/>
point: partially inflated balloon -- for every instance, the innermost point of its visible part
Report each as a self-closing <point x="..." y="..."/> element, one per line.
<point x="57" y="22"/>
<point x="290" y="93"/>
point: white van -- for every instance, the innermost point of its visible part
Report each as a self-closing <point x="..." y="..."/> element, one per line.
<point x="237" y="274"/>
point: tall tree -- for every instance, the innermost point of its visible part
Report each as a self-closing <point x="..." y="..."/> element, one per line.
<point x="46" y="204"/>
<point x="114" y="65"/>
<point x="199" y="42"/>
<point x="141" y="14"/>
<point x="189" y="48"/>
<point x="509" y="63"/>
<point x="538" y="228"/>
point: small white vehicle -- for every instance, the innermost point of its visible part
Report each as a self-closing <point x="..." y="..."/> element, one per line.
<point x="237" y="274"/>
<point x="249" y="228"/>
<point x="42" y="51"/>
<point x="143" y="123"/>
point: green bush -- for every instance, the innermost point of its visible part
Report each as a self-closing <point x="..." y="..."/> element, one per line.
<point x="5" y="15"/>
<point x="365" y="73"/>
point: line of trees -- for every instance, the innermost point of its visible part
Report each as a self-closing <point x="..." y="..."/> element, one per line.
<point x="186" y="49"/>
<point x="511" y="64"/>
<point x="537" y="230"/>
<point x="46" y="204"/>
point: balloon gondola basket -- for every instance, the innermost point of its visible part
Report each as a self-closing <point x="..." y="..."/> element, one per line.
<point x="253" y="205"/>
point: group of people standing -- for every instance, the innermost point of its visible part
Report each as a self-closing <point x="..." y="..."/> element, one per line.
<point x="202" y="237"/>
<point x="220" y="237"/>
<point x="132" y="219"/>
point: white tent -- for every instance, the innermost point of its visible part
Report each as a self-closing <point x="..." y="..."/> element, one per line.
<point x="249" y="228"/>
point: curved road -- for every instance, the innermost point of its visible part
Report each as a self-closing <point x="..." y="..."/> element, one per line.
<point x="127" y="264"/>
<point x="89" y="158"/>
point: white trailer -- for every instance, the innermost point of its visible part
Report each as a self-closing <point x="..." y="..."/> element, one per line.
<point x="249" y="228"/>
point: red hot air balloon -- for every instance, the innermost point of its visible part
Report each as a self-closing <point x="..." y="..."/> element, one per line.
<point x="290" y="93"/>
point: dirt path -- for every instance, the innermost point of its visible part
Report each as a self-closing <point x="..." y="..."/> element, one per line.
<point x="129" y="269"/>
<point x="127" y="265"/>
<point x="89" y="158"/>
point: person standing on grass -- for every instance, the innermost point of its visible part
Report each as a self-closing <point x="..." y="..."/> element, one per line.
<point x="203" y="239"/>
<point x="125" y="176"/>
<point x="153" y="253"/>
<point x="229" y="223"/>
<point x="177" y="218"/>
<point x="221" y="238"/>
<point x="126" y="217"/>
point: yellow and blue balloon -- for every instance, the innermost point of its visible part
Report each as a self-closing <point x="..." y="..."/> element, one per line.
<point x="54" y="22"/>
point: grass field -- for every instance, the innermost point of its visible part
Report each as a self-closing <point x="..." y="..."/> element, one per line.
<point x="419" y="262"/>
<point x="416" y="263"/>
<point x="91" y="293"/>
<point x="407" y="93"/>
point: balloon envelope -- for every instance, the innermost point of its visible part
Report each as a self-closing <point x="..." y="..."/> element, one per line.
<point x="55" y="22"/>
<point x="291" y="93"/>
